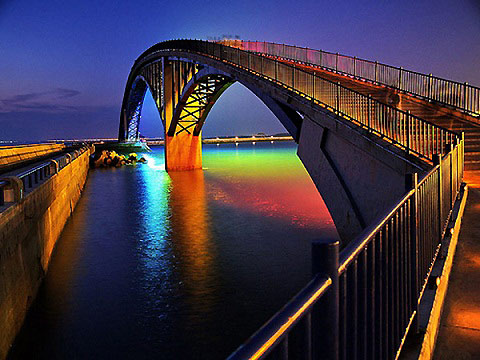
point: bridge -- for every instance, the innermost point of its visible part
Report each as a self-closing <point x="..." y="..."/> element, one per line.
<point x="385" y="147"/>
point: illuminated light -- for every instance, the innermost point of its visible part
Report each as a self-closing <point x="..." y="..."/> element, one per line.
<point x="271" y="142"/>
<point x="152" y="165"/>
<point x="236" y="144"/>
<point x="236" y="137"/>
<point x="290" y="321"/>
<point x="465" y="314"/>
<point x="452" y="230"/>
<point x="253" y="143"/>
<point x="218" y="144"/>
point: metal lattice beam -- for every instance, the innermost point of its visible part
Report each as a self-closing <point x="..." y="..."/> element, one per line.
<point x="192" y="110"/>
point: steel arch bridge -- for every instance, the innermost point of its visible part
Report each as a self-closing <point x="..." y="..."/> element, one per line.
<point x="350" y="143"/>
<point x="388" y="167"/>
<point x="185" y="85"/>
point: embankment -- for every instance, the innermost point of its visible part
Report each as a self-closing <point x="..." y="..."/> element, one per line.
<point x="29" y="230"/>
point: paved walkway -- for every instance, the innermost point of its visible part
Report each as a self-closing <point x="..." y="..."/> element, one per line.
<point x="439" y="115"/>
<point x="459" y="334"/>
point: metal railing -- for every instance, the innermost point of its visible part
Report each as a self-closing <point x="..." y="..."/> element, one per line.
<point x="381" y="277"/>
<point x="462" y="96"/>
<point x="32" y="177"/>
<point x="411" y="133"/>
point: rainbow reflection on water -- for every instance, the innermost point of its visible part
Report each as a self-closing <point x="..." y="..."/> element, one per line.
<point x="178" y="265"/>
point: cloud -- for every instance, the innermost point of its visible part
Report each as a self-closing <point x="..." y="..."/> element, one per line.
<point x="46" y="101"/>
<point x="66" y="93"/>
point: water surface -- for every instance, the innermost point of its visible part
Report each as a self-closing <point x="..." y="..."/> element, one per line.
<point x="184" y="265"/>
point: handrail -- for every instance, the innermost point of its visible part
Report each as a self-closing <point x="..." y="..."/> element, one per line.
<point x="411" y="133"/>
<point x="462" y="96"/>
<point x="274" y="331"/>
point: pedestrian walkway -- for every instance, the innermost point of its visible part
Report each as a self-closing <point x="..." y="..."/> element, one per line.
<point x="459" y="334"/>
<point x="436" y="114"/>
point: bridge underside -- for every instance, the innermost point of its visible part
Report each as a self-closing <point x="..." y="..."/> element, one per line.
<point x="357" y="175"/>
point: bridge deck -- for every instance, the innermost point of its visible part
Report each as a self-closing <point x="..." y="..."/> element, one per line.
<point x="459" y="333"/>
<point x="434" y="113"/>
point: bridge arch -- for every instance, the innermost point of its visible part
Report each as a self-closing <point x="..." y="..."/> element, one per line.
<point x="348" y="165"/>
<point x="184" y="91"/>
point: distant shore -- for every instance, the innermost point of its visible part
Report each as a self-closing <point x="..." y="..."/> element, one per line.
<point x="231" y="140"/>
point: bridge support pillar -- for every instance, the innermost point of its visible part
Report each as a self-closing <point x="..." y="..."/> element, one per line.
<point x="183" y="151"/>
<point x="357" y="178"/>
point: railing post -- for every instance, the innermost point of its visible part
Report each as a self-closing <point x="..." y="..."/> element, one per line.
<point x="411" y="183"/>
<point x="313" y="90"/>
<point x="400" y="78"/>
<point x="325" y="319"/>
<point x="437" y="160"/>
<point x="354" y="66"/>
<point x="276" y="70"/>
<point x="369" y="110"/>
<point x="376" y="72"/>
<point x="293" y="76"/>
<point x="408" y="131"/>
<point x="337" y="104"/>
<point x="336" y="63"/>
<point x="429" y="91"/>
<point x="465" y="96"/>
<point x="249" y="60"/>
<point x="462" y="155"/>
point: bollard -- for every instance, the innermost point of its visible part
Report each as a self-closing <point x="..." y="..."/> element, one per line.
<point x="325" y="316"/>
<point x="13" y="192"/>
<point x="54" y="166"/>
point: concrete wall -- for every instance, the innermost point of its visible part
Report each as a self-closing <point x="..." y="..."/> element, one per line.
<point x="28" y="233"/>
<point x="358" y="177"/>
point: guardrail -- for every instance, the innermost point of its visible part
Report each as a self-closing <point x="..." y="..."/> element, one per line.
<point x="458" y="95"/>
<point x="372" y="290"/>
<point x="409" y="132"/>
<point x="32" y="177"/>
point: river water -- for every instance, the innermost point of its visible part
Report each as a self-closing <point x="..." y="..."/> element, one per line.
<point x="184" y="265"/>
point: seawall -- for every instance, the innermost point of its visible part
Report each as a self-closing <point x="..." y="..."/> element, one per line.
<point x="29" y="230"/>
<point x="14" y="155"/>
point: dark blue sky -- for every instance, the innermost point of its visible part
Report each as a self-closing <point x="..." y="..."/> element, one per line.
<point x="63" y="64"/>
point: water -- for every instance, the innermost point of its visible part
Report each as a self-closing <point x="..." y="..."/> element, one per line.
<point x="177" y="266"/>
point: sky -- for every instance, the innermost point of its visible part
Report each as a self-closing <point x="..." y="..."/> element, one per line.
<point x="64" y="64"/>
